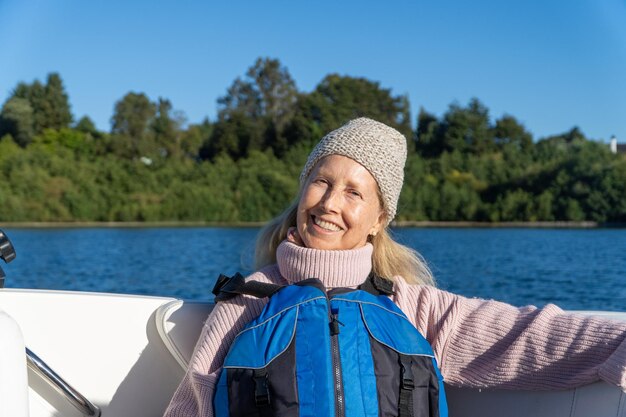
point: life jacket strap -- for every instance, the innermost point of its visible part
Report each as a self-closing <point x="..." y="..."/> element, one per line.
<point x="376" y="285"/>
<point x="228" y="287"/>
<point x="405" y="403"/>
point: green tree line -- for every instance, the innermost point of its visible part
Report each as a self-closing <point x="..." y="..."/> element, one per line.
<point x="154" y="166"/>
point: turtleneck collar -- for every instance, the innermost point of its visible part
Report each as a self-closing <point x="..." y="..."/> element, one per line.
<point x="335" y="268"/>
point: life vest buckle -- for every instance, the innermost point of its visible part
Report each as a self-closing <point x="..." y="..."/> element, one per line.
<point x="261" y="389"/>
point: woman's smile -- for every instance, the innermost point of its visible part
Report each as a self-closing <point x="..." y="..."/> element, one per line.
<point x="325" y="225"/>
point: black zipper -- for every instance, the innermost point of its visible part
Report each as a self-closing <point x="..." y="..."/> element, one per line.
<point x="334" y="351"/>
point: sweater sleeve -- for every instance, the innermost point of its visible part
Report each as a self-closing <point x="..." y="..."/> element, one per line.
<point x="194" y="395"/>
<point x="485" y="343"/>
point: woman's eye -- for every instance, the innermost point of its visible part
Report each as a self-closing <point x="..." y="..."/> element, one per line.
<point x="355" y="193"/>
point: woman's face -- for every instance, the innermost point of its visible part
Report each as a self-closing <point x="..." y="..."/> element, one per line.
<point x="339" y="206"/>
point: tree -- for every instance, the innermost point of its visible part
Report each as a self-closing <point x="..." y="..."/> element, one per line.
<point x="52" y="140"/>
<point x="509" y="132"/>
<point x="235" y="138"/>
<point x="266" y="98"/>
<point x="36" y="95"/>
<point x="241" y="98"/>
<point x="86" y="125"/>
<point x="132" y="115"/>
<point x="268" y="91"/>
<point x="49" y="103"/>
<point x="57" y="107"/>
<point x="8" y="149"/>
<point x="428" y="141"/>
<point x="193" y="137"/>
<point x="276" y="89"/>
<point x="131" y="119"/>
<point x="338" y="99"/>
<point x="166" y="127"/>
<point x="341" y="98"/>
<point x="557" y="146"/>
<point x="16" y="119"/>
<point x="467" y="129"/>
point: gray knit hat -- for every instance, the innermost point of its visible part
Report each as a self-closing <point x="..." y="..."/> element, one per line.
<point x="379" y="148"/>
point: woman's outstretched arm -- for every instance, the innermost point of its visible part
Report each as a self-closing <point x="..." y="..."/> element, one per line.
<point x="485" y="343"/>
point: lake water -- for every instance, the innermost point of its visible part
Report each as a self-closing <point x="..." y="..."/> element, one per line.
<point x="574" y="268"/>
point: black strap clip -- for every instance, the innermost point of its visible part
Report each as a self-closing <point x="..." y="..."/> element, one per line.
<point x="406" y="374"/>
<point x="405" y="402"/>
<point x="261" y="388"/>
<point x="227" y="287"/>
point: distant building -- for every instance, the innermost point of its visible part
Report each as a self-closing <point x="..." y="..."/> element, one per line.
<point x="617" y="147"/>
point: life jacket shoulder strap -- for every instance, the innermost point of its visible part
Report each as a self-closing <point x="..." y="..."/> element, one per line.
<point x="228" y="287"/>
<point x="377" y="285"/>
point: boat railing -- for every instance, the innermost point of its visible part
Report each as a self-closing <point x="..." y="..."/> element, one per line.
<point x="78" y="400"/>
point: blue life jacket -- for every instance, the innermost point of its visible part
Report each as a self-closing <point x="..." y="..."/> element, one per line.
<point x="310" y="353"/>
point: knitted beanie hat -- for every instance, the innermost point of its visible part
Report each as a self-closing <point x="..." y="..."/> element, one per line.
<point x="379" y="148"/>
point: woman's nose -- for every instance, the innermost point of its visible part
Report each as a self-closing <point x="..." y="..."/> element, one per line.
<point x="331" y="201"/>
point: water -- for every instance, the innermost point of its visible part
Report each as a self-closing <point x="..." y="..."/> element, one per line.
<point x="575" y="269"/>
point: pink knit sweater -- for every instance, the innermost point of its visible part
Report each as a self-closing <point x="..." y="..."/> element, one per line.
<point x="478" y="343"/>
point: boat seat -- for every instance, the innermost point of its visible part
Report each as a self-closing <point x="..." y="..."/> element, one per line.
<point x="13" y="380"/>
<point x="179" y="324"/>
<point x="599" y="399"/>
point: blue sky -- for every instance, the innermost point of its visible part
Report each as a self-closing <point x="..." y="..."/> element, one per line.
<point x="551" y="64"/>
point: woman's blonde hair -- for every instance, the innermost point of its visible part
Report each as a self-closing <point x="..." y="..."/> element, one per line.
<point x="389" y="259"/>
<point x="270" y="236"/>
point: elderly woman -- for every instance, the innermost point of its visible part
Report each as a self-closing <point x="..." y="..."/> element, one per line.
<point x="337" y="232"/>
